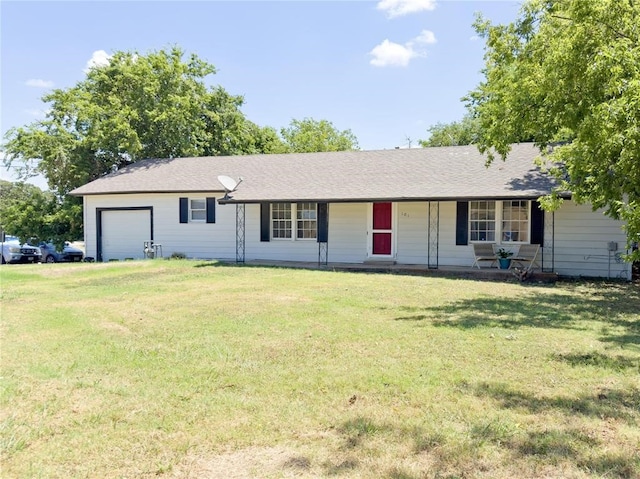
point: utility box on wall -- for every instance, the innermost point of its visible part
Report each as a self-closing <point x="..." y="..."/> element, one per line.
<point x="613" y="246"/>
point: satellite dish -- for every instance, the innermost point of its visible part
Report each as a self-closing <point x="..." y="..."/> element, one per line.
<point x="229" y="183"/>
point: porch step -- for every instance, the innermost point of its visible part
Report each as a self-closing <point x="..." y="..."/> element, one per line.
<point x="379" y="262"/>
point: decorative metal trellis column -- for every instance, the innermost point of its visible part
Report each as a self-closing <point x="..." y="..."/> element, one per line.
<point x="323" y="253"/>
<point x="433" y="233"/>
<point x="240" y="225"/>
<point x="548" y="255"/>
<point x="323" y="234"/>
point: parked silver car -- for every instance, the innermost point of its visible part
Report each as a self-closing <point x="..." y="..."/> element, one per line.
<point x="14" y="252"/>
<point x="50" y="254"/>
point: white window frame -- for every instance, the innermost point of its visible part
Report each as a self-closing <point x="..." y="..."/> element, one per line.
<point x="506" y="223"/>
<point x="306" y="220"/>
<point x="192" y="210"/>
<point x="481" y="218"/>
<point x="500" y="223"/>
<point x="294" y="221"/>
<point x="284" y="222"/>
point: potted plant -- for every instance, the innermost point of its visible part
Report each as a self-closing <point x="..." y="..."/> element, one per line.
<point x="504" y="258"/>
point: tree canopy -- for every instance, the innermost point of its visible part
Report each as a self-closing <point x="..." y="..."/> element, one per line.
<point x="149" y="106"/>
<point x="28" y="212"/>
<point x="309" y="135"/>
<point x="566" y="74"/>
<point x="464" y="132"/>
<point x="135" y="107"/>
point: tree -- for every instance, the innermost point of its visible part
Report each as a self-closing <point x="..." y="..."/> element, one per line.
<point x="464" y="132"/>
<point x="28" y="212"/>
<point x="566" y="73"/>
<point x="263" y="139"/>
<point x="137" y="106"/>
<point x="309" y="135"/>
<point x="21" y="209"/>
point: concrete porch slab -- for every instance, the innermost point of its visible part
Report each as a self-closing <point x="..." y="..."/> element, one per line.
<point x="489" y="274"/>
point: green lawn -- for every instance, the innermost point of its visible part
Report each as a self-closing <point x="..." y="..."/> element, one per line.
<point x="183" y="369"/>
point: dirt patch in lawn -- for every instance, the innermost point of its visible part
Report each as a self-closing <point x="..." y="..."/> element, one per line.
<point x="250" y="463"/>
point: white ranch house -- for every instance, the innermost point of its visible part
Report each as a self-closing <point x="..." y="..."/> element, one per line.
<point x="403" y="206"/>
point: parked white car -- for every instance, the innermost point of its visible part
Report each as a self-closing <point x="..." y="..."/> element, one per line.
<point x="14" y="252"/>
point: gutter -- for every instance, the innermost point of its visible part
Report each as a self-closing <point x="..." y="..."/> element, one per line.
<point x="230" y="200"/>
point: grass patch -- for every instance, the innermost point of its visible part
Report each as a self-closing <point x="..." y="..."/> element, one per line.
<point x="184" y="369"/>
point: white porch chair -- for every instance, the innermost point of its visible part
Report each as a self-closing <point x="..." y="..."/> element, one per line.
<point x="527" y="257"/>
<point x="483" y="252"/>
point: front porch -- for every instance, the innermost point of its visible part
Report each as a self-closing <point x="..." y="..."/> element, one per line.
<point x="462" y="272"/>
<point x="414" y="246"/>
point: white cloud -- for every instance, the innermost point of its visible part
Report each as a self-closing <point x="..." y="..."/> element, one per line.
<point x="397" y="8"/>
<point x="390" y="54"/>
<point x="426" y="36"/>
<point x="38" y="83"/>
<point x="99" y="58"/>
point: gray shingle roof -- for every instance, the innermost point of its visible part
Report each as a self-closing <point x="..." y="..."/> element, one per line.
<point x="443" y="173"/>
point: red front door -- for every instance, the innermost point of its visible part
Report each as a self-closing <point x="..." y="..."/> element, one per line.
<point x="382" y="229"/>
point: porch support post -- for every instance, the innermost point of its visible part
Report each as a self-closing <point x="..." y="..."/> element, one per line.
<point x="240" y="226"/>
<point x="322" y="233"/>
<point x="433" y="233"/>
<point x="323" y="253"/>
<point x="548" y="254"/>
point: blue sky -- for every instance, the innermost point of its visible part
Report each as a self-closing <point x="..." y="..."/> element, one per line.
<point x="386" y="70"/>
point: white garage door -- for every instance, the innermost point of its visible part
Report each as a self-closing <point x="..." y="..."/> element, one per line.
<point x="124" y="233"/>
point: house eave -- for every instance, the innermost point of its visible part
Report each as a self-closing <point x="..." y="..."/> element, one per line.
<point x="146" y="192"/>
<point x="527" y="196"/>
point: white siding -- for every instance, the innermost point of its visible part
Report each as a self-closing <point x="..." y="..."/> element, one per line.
<point x="348" y="232"/>
<point x="89" y="224"/>
<point x="196" y="240"/>
<point x="276" y="249"/>
<point x="450" y="254"/>
<point x="347" y="237"/>
<point x="581" y="243"/>
<point x="412" y="233"/>
<point x="577" y="246"/>
<point x="580" y="246"/>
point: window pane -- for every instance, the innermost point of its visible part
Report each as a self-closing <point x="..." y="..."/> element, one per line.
<point x="198" y="215"/>
<point x="482" y="224"/>
<point x="197" y="209"/>
<point x="197" y="204"/>
<point x="515" y="221"/>
<point x="281" y="220"/>
<point x="306" y="214"/>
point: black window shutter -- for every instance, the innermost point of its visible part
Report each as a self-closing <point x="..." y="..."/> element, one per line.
<point x="265" y="220"/>
<point x="184" y="210"/>
<point x="323" y="222"/>
<point x="462" y="223"/>
<point x="211" y="210"/>
<point x="537" y="223"/>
